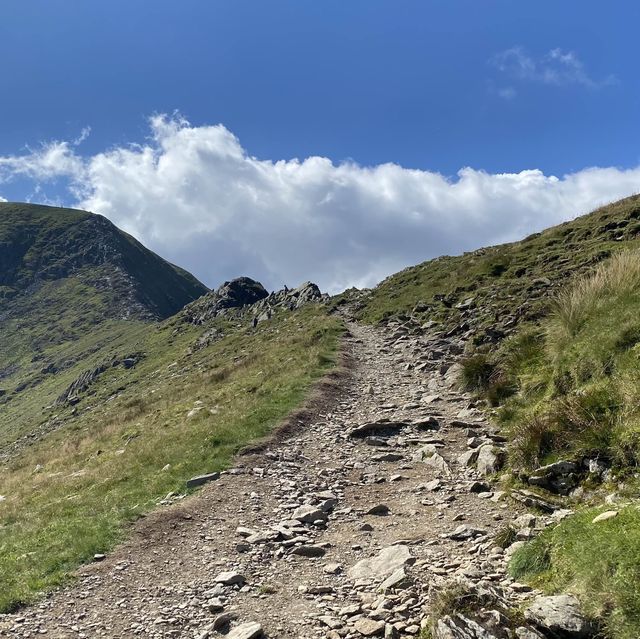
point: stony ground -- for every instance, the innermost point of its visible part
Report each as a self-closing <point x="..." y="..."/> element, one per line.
<point x="345" y="530"/>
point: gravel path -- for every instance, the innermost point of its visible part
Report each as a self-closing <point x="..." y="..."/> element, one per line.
<point x="345" y="530"/>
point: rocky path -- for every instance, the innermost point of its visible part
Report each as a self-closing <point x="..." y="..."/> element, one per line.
<point x="345" y="530"/>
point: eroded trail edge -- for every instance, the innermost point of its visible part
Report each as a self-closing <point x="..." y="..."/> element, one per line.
<point x="347" y="528"/>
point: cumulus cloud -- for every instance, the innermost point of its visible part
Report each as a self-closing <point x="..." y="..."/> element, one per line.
<point x="557" y="67"/>
<point x="194" y="195"/>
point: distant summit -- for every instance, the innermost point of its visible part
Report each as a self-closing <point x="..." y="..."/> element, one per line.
<point x="43" y="245"/>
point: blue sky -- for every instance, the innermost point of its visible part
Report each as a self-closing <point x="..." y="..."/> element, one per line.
<point x="497" y="86"/>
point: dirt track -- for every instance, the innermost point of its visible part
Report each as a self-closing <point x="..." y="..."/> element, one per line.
<point x="162" y="583"/>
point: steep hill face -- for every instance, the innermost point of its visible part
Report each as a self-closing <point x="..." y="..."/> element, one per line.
<point x="73" y="290"/>
<point x="40" y="244"/>
<point x="486" y="293"/>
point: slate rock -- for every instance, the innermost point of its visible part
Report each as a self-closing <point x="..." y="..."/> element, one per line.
<point x="308" y="550"/>
<point x="308" y="514"/>
<point x="560" y="615"/>
<point x="202" y="479"/>
<point x="249" y="630"/>
<point x="458" y="626"/>
<point x="382" y="565"/>
<point x="369" y="627"/>
<point x="490" y="459"/>
<point x="230" y="578"/>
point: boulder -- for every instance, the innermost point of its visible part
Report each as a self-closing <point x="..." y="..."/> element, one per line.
<point x="490" y="459"/>
<point x="249" y="630"/>
<point x="382" y="565"/>
<point x="560" y="616"/>
<point x="309" y="514"/>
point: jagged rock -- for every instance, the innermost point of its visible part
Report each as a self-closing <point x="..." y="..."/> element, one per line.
<point x="380" y="510"/>
<point x="223" y="620"/>
<point x="468" y="458"/>
<point x="531" y="500"/>
<point x="433" y="485"/>
<point x="463" y="532"/>
<point x="424" y="452"/>
<point x="382" y="565"/>
<point x="249" y="630"/>
<point x="236" y="293"/>
<point x="490" y="459"/>
<point x="528" y="633"/>
<point x="202" y="479"/>
<point x="387" y="457"/>
<point x="230" y="578"/>
<point x="308" y="514"/>
<point x="308" y="550"/>
<point x="559" y="615"/>
<point x="559" y="477"/>
<point x="398" y="580"/>
<point x="479" y="487"/>
<point x="369" y="627"/>
<point x="391" y="632"/>
<point x="428" y="454"/>
<point x="431" y="423"/>
<point x="377" y="428"/>
<point x="457" y="626"/>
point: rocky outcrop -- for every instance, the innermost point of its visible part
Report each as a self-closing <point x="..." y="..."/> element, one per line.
<point x="235" y="294"/>
<point x="248" y="297"/>
<point x="81" y="384"/>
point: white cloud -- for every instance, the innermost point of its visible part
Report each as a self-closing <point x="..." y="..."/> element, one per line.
<point x="2" y="199"/>
<point x="557" y="67"/>
<point x="50" y="161"/>
<point x="194" y="195"/>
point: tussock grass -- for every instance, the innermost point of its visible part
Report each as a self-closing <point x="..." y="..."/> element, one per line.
<point x="614" y="282"/>
<point x="577" y="376"/>
<point x="73" y="493"/>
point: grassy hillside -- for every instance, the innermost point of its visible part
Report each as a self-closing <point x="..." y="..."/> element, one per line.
<point x="140" y="433"/>
<point x="105" y="409"/>
<point x="576" y="395"/>
<point x="553" y="328"/>
<point x="490" y="290"/>
<point x="72" y="288"/>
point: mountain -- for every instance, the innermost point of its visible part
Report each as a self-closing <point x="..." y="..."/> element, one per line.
<point x="524" y="356"/>
<point x="71" y="286"/>
<point x="40" y="245"/>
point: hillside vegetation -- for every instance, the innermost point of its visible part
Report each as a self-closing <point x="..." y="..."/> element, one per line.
<point x="575" y="394"/>
<point x="73" y="288"/>
<point x="141" y="433"/>
<point x="121" y="376"/>
<point x="553" y="347"/>
<point x="486" y="293"/>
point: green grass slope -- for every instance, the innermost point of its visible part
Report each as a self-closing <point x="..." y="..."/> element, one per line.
<point x="140" y="433"/>
<point x="505" y="284"/>
<point x="112" y="396"/>
<point x="72" y="287"/>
